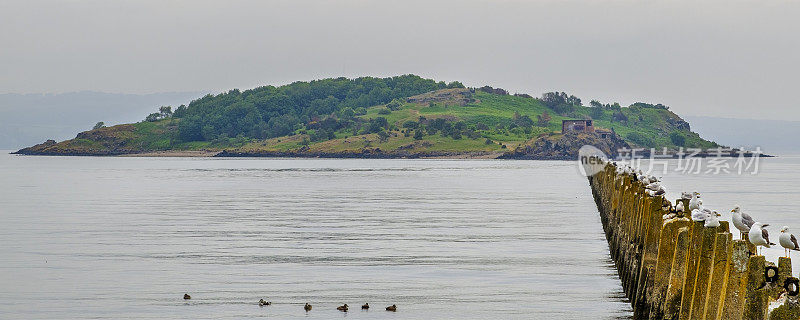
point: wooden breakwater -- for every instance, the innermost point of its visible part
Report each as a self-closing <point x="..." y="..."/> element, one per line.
<point x="674" y="268"/>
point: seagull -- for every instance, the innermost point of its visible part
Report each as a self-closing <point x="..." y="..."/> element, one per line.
<point x="712" y="220"/>
<point x="695" y="202"/>
<point x="686" y="195"/>
<point x="657" y="192"/>
<point x="741" y="220"/>
<point x="759" y="236"/>
<point x="679" y="207"/>
<point x="653" y="186"/>
<point x="788" y="241"/>
<point x="699" y="215"/>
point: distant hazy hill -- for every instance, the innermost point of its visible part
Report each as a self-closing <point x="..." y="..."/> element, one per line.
<point x="401" y="116"/>
<point x="27" y="119"/>
<point x="773" y="136"/>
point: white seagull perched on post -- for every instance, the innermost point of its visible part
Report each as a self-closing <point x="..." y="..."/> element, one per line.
<point x="759" y="236"/>
<point x="742" y="221"/>
<point x="699" y="215"/>
<point x="695" y="202"/>
<point x="788" y="241"/>
<point x="712" y="220"/>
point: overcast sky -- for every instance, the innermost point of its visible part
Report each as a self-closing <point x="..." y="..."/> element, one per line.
<point x="727" y="58"/>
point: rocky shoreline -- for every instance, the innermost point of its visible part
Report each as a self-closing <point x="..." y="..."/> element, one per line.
<point x="545" y="147"/>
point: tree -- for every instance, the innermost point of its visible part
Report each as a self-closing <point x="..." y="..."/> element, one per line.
<point x="640" y="139"/>
<point x="411" y="124"/>
<point x="677" y="138"/>
<point x="99" y="125"/>
<point x="165" y="112"/>
<point x="377" y="124"/>
<point x="347" y="113"/>
<point x="383" y="136"/>
<point x="522" y="121"/>
<point x="271" y="111"/>
<point x="455" y="84"/>
<point x="619" y="116"/>
<point x="596" y="112"/>
<point x="152" y="117"/>
<point x="418" y="134"/>
<point x="180" y="111"/>
<point x="394" y="104"/>
<point x="595" y="104"/>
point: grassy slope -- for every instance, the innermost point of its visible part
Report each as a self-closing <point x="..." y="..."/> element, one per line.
<point x="490" y="109"/>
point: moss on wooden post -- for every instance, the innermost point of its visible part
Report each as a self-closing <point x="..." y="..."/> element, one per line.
<point x="673" y="297"/>
<point x="736" y="288"/>
<point x="789" y="310"/>
<point x="666" y="253"/>
<point x="756" y="297"/>
<point x="703" y="274"/>
<point x="719" y="274"/>
<point x="678" y="269"/>
<point x="784" y="272"/>
<point x="691" y="265"/>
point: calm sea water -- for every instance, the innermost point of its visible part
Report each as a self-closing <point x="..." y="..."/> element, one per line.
<point x="87" y="237"/>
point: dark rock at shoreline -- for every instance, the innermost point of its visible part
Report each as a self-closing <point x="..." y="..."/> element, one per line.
<point x="566" y="146"/>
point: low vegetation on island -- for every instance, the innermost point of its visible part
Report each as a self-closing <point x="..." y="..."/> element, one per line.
<point x="401" y="116"/>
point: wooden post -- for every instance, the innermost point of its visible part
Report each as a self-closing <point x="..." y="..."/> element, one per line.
<point x="784" y="272"/>
<point x="691" y="271"/>
<point x="703" y="274"/>
<point x="678" y="269"/>
<point x="719" y="275"/>
<point x="736" y="288"/>
<point x="756" y="297"/>
<point x="672" y="301"/>
<point x="666" y="253"/>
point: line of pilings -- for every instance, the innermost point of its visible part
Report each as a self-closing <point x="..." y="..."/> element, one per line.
<point x="674" y="268"/>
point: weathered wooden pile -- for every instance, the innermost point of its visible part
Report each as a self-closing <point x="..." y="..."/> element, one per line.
<point x="674" y="268"/>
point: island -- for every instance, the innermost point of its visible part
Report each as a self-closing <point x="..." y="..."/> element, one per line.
<point x="403" y="116"/>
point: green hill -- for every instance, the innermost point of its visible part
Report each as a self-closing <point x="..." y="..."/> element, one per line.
<point x="402" y="116"/>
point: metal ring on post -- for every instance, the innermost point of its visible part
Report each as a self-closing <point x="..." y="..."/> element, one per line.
<point x="771" y="274"/>
<point x="792" y="286"/>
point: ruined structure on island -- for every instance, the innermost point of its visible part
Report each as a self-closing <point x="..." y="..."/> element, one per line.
<point x="674" y="268"/>
<point x="577" y="126"/>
